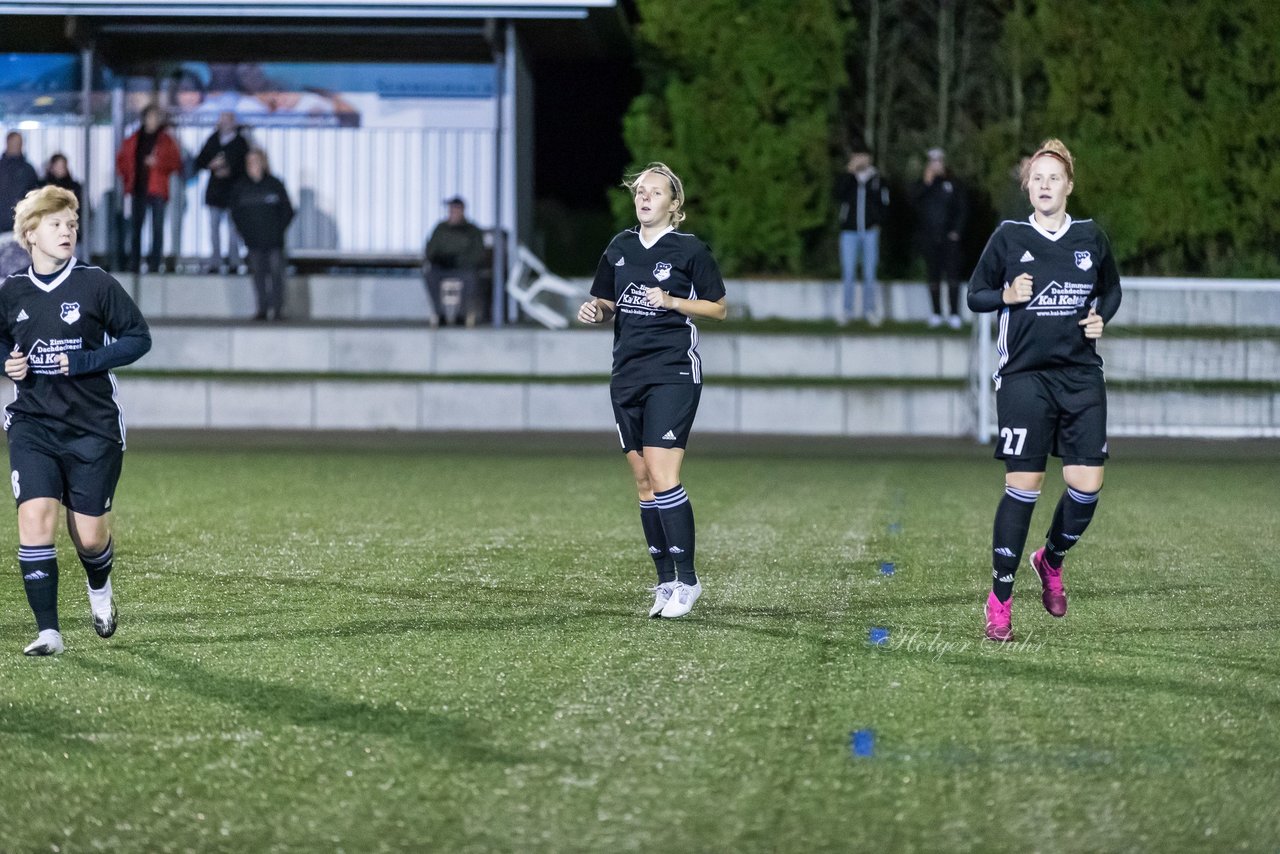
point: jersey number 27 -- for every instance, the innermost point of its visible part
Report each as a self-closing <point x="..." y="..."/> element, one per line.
<point x="1014" y="439"/>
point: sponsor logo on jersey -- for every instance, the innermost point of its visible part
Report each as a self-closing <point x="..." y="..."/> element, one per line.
<point x="621" y="261"/>
<point x="634" y="301"/>
<point x="1060" y="298"/>
<point x="662" y="271"/>
<point x="43" y="356"/>
<point x="22" y="315"/>
<point x="1083" y="259"/>
<point x="70" y="312"/>
<point x="668" y="436"/>
<point x="1027" y="256"/>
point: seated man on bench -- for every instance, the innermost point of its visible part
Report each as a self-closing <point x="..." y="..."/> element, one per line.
<point x="453" y="258"/>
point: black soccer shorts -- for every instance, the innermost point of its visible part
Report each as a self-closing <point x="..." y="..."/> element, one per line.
<point x="1060" y="412"/>
<point x="79" y="471"/>
<point x="655" y="416"/>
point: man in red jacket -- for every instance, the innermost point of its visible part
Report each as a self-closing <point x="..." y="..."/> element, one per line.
<point x="145" y="162"/>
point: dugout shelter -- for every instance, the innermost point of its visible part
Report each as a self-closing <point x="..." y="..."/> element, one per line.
<point x="400" y="104"/>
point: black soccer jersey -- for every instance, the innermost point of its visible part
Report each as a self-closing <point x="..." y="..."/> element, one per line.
<point x="84" y="313"/>
<point x="1071" y="269"/>
<point x="655" y="345"/>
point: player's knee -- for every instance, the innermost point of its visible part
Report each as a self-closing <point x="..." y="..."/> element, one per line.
<point x="1030" y="480"/>
<point x="1083" y="478"/>
<point x="38" y="513"/>
<point x="92" y="543"/>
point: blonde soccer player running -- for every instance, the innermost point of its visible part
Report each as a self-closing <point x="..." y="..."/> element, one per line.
<point x="64" y="325"/>
<point x="653" y="282"/>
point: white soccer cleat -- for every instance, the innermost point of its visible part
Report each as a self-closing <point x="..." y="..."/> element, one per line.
<point x="935" y="320"/>
<point x="682" y="599"/>
<point x="954" y="321"/>
<point x="102" y="605"/>
<point x="661" y="596"/>
<point x="48" y="642"/>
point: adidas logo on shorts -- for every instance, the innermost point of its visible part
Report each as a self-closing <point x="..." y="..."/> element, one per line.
<point x="668" y="436"/>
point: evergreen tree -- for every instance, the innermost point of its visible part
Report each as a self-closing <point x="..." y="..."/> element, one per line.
<point x="740" y="100"/>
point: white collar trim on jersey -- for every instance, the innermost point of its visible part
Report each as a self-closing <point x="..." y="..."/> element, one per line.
<point x="661" y="234"/>
<point x="62" y="277"/>
<point x="1051" y="235"/>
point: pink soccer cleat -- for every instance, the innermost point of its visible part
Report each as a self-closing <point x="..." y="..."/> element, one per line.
<point x="999" y="619"/>
<point x="1053" y="595"/>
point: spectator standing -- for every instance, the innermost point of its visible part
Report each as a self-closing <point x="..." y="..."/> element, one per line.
<point x="223" y="154"/>
<point x="17" y="178"/>
<point x="455" y="251"/>
<point x="941" y="211"/>
<point x="145" y="161"/>
<point x="864" y="203"/>
<point x="262" y="212"/>
<point x="58" y="174"/>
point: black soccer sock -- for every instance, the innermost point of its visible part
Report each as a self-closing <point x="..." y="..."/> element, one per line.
<point x="39" y="566"/>
<point x="651" y="521"/>
<point x="1009" y="536"/>
<point x="677" y="523"/>
<point x="1072" y="516"/>
<point x="98" y="567"/>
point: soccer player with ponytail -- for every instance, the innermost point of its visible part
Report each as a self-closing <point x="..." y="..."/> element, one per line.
<point x="1054" y="282"/>
<point x="653" y="282"/>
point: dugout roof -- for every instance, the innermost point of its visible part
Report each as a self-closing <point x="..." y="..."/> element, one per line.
<point x="136" y="32"/>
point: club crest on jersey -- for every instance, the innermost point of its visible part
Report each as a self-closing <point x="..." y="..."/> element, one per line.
<point x="1084" y="260"/>
<point x="70" y="312"/>
<point x="662" y="271"/>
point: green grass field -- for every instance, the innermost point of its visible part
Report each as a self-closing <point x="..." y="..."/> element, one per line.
<point x="439" y="644"/>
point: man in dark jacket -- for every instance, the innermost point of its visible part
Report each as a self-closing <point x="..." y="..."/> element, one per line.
<point x="223" y="155"/>
<point x="941" y="212"/>
<point x="17" y="178"/>
<point x="863" y="198"/>
<point x="454" y="254"/>
<point x="262" y="212"/>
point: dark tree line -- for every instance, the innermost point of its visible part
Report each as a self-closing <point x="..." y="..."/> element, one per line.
<point x="1171" y="108"/>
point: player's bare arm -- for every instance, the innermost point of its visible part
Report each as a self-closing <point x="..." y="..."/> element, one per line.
<point x="658" y="298"/>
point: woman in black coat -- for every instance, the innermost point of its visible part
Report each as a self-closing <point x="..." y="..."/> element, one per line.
<point x="262" y="212"/>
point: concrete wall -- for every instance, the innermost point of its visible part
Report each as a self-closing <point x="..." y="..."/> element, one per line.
<point x="530" y="352"/>
<point x="388" y="404"/>
<point x="1147" y="302"/>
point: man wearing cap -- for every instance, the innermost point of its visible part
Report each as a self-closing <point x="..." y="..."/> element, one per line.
<point x="455" y="252"/>
<point x="941" y="212"/>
